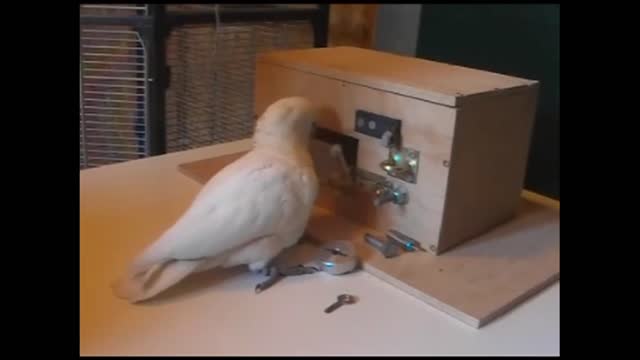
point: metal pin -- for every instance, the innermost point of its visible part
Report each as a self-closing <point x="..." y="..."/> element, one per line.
<point x="387" y="248"/>
<point x="408" y="243"/>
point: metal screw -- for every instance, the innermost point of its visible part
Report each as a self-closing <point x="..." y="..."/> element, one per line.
<point x="445" y="163"/>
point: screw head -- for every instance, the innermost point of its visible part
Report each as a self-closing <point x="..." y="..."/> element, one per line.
<point x="445" y="163"/>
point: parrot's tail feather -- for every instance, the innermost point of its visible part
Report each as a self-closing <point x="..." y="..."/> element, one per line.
<point x="129" y="288"/>
<point x="138" y="288"/>
<point x="145" y="262"/>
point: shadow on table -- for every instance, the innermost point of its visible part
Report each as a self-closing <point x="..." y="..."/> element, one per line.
<point x="197" y="284"/>
<point x="211" y="280"/>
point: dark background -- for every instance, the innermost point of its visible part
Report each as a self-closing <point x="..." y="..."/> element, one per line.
<point x="514" y="39"/>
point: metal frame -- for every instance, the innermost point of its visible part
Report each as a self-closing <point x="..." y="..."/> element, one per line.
<point x="321" y="25"/>
<point x="155" y="26"/>
<point x="159" y="78"/>
<point x="231" y="15"/>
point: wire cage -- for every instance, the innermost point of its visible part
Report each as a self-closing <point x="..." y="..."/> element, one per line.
<point x="165" y="78"/>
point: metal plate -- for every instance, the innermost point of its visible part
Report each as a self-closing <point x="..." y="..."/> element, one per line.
<point x="375" y="125"/>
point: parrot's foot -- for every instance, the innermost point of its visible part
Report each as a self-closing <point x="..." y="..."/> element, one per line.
<point x="262" y="267"/>
<point x="259" y="267"/>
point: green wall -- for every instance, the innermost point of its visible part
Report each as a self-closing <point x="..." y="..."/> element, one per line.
<point x="513" y="39"/>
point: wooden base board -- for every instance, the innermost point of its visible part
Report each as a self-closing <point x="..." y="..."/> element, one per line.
<point x="476" y="282"/>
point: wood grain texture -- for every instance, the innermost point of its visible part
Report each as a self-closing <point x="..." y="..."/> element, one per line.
<point x="426" y="127"/>
<point x="500" y="249"/>
<point x="472" y="156"/>
<point x="488" y="165"/>
<point x="352" y="25"/>
<point x="437" y="82"/>
<point x="475" y="282"/>
<point x="203" y="170"/>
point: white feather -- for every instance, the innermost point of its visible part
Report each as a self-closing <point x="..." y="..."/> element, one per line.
<point x="246" y="214"/>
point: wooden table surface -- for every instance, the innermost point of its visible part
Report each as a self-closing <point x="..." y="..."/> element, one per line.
<point x="126" y="206"/>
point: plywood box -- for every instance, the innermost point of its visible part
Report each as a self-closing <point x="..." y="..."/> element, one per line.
<point x="471" y="130"/>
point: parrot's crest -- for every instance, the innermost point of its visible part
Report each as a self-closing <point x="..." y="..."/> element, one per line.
<point x="288" y="121"/>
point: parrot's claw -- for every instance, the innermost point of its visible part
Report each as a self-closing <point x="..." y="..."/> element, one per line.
<point x="266" y="271"/>
<point x="259" y="268"/>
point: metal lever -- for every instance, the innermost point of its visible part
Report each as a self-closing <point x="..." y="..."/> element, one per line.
<point x="387" y="248"/>
<point x="402" y="164"/>
<point x="407" y="243"/>
<point x="386" y="192"/>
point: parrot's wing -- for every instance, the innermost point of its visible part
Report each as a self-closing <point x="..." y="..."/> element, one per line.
<point x="246" y="201"/>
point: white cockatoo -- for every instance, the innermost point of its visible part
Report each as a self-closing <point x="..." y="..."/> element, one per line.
<point x="246" y="214"/>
